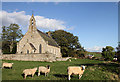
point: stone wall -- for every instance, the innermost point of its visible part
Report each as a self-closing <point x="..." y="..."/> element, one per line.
<point x="30" y="57"/>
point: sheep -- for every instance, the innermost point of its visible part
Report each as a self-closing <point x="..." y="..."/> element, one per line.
<point x="75" y="70"/>
<point x="43" y="69"/>
<point x="9" y="65"/>
<point x="29" y="72"/>
<point x="75" y="58"/>
<point x="114" y="59"/>
<point x="69" y="60"/>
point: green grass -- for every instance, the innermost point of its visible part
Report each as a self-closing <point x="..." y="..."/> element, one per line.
<point x="96" y="70"/>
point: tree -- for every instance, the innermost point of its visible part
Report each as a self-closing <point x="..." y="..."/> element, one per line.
<point x="5" y="42"/>
<point x="9" y="36"/>
<point x="118" y="51"/>
<point x="108" y="53"/>
<point x="67" y="41"/>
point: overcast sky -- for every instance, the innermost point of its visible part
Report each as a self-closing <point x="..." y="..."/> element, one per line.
<point x="95" y="23"/>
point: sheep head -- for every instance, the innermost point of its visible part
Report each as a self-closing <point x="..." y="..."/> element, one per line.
<point x="48" y="66"/>
<point x="83" y="67"/>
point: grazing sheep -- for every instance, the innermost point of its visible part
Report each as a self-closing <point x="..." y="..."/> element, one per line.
<point x="29" y="72"/>
<point x="75" y="58"/>
<point x="69" y="60"/>
<point x="43" y="69"/>
<point x="75" y="70"/>
<point x="114" y="59"/>
<point x="7" y="65"/>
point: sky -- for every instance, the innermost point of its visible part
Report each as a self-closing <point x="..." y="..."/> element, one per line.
<point x="95" y="23"/>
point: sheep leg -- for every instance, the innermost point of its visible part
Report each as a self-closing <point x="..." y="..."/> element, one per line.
<point x="68" y="77"/>
<point x="80" y="76"/>
<point x="38" y="73"/>
<point x="32" y="75"/>
<point x="45" y="74"/>
<point x="25" y="76"/>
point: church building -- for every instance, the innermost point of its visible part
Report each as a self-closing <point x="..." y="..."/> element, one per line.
<point x="35" y="41"/>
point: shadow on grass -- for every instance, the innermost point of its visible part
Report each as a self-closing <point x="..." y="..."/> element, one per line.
<point x="6" y="68"/>
<point x="61" y="75"/>
<point x="36" y="73"/>
<point x="22" y="75"/>
<point x="111" y="67"/>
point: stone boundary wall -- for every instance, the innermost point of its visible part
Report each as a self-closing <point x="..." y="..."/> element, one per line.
<point x="30" y="57"/>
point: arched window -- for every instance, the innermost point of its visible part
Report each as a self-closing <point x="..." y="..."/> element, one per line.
<point x="21" y="52"/>
<point x="27" y="51"/>
<point x="40" y="48"/>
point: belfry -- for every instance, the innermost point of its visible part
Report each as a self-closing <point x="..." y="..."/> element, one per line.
<point x="32" y="26"/>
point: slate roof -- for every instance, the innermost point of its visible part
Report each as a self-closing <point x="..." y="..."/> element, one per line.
<point x="48" y="38"/>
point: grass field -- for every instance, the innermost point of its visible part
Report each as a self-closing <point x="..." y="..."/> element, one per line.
<point x="96" y="70"/>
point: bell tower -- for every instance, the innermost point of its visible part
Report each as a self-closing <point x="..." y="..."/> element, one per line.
<point x="32" y="26"/>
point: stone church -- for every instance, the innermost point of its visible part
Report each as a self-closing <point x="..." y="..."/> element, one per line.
<point x="35" y="41"/>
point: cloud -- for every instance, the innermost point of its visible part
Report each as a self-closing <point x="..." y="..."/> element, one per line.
<point x="15" y="17"/>
<point x="51" y="24"/>
<point x="23" y="20"/>
<point x="95" y="49"/>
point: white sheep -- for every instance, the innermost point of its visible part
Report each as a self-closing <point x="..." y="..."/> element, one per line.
<point x="29" y="72"/>
<point x="114" y="59"/>
<point x="75" y="58"/>
<point x="75" y="70"/>
<point x="9" y="65"/>
<point x="69" y="60"/>
<point x="43" y="69"/>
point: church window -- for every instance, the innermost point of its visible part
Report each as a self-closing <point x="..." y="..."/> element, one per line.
<point x="21" y="52"/>
<point x="40" y="48"/>
<point x="27" y="51"/>
<point x="54" y="51"/>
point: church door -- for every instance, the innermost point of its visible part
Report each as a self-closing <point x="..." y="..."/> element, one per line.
<point x="40" y="48"/>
